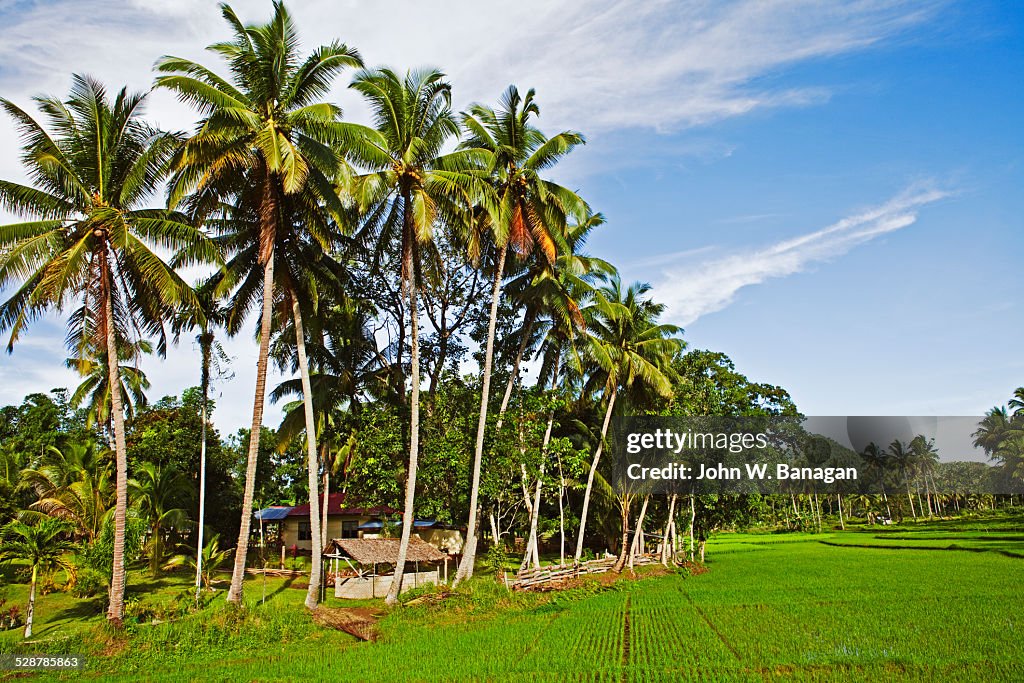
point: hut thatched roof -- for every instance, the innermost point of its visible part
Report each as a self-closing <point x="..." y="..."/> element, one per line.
<point x="367" y="551"/>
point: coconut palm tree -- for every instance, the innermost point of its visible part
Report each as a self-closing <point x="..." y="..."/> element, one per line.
<point x="1017" y="402"/>
<point x="904" y="458"/>
<point x="346" y="367"/>
<point x="74" y="484"/>
<point x="94" y="390"/>
<point x="91" y="245"/>
<point x="158" y="494"/>
<point x="531" y="213"/>
<point x="548" y="292"/>
<point x="265" y="138"/>
<point x="878" y="460"/>
<point x="411" y="187"/>
<point x="213" y="360"/>
<point x="43" y="546"/>
<point x="629" y="350"/>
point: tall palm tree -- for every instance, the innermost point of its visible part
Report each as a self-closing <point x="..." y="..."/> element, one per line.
<point x="550" y="291"/>
<point x="44" y="546"/>
<point x="265" y="137"/>
<point x="904" y="458"/>
<point x="878" y="460"/>
<point x="629" y="350"/>
<point x="411" y="187"/>
<point x="531" y="213"/>
<point x="91" y="245"/>
<point x="95" y="390"/>
<point x="213" y="359"/>
<point x="346" y="367"/>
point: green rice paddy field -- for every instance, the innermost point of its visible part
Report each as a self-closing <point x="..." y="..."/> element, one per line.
<point x="871" y="605"/>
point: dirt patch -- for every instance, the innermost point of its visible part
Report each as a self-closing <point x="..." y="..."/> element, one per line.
<point x="360" y="622"/>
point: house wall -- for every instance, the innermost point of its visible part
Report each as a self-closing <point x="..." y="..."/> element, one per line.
<point x="290" y="529"/>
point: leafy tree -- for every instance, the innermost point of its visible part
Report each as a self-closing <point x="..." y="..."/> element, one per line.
<point x="91" y="245"/>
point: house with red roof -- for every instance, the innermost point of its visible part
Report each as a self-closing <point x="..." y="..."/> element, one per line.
<point x="348" y="520"/>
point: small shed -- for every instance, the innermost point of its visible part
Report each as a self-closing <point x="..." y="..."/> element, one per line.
<point x="364" y="556"/>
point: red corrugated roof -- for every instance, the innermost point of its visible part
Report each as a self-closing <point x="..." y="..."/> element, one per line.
<point x="335" y="503"/>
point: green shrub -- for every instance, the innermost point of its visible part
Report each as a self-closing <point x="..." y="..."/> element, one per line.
<point x="497" y="558"/>
<point x="88" y="583"/>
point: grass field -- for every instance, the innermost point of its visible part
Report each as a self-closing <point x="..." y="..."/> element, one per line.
<point x="772" y="606"/>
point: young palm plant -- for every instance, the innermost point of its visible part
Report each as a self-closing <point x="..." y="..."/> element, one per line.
<point x="159" y="493"/>
<point x="266" y="138"/>
<point x="45" y="546"/>
<point x="92" y="246"/>
<point x="530" y="213"/>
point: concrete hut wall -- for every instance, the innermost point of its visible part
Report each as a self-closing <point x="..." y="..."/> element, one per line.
<point x="365" y="587"/>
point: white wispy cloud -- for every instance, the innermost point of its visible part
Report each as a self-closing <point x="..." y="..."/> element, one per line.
<point x="692" y="290"/>
<point x="597" y="65"/>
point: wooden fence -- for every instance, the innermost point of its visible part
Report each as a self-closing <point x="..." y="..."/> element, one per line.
<point x="530" y="579"/>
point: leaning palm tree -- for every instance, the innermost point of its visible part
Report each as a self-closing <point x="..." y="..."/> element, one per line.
<point x="531" y="213"/>
<point x="411" y="188"/>
<point x="44" y="546"/>
<point x="92" y="246"/>
<point x="265" y="138"/>
<point x="630" y="351"/>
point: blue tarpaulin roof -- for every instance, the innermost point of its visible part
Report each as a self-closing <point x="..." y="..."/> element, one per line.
<point x="273" y="514"/>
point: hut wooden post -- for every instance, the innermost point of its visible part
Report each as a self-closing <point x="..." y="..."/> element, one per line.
<point x="373" y="581"/>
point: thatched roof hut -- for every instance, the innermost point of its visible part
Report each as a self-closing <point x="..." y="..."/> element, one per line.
<point x="371" y="551"/>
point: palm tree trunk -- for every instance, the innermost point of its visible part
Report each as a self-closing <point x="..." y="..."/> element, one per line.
<point x="527" y="329"/>
<point x="842" y="523"/>
<point x="910" y="496"/>
<point x="593" y="471"/>
<point x="668" y="528"/>
<point x="414" y="436"/>
<point x="532" y="545"/>
<point x="637" y="545"/>
<point x="532" y="551"/>
<point x="327" y="492"/>
<point x="202" y="464"/>
<point x="31" y="602"/>
<point x="625" y="502"/>
<point x="469" y="556"/>
<point x="238" y="573"/>
<point x="115" y="610"/>
<point x="693" y="520"/>
<point x="561" y="513"/>
<point x="313" y="593"/>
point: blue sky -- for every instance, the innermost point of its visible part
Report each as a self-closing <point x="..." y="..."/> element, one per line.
<point x="829" y="193"/>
